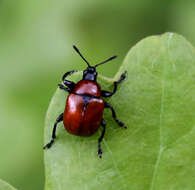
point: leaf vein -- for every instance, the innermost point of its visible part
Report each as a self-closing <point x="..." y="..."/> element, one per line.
<point x="161" y="148"/>
<point x="115" y="164"/>
<point x="180" y="138"/>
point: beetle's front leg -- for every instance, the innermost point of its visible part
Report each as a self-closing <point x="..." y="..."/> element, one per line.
<point x="70" y="85"/>
<point x="62" y="87"/>
<point x="107" y="93"/>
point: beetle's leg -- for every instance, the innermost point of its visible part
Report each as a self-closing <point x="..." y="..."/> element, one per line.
<point x="59" y="119"/>
<point x="103" y="123"/>
<point x="121" y="124"/>
<point x="107" y="93"/>
<point x="62" y="87"/>
<point x="68" y="83"/>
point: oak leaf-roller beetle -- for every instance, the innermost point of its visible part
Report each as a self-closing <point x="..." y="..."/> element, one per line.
<point x="84" y="106"/>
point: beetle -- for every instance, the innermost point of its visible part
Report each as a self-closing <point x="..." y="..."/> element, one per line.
<point x="83" y="113"/>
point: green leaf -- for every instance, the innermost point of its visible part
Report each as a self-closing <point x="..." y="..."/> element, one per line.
<point x="5" y="186"/>
<point x="157" y="103"/>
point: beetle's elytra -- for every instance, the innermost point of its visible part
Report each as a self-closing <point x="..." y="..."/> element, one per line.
<point x="83" y="114"/>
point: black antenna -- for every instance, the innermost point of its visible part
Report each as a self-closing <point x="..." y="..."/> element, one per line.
<point x="109" y="59"/>
<point x="76" y="49"/>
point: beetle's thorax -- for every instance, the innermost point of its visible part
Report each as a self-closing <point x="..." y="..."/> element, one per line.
<point x="87" y="87"/>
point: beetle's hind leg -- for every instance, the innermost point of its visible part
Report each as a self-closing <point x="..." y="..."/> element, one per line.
<point x="103" y="123"/>
<point x="121" y="124"/>
<point x="59" y="119"/>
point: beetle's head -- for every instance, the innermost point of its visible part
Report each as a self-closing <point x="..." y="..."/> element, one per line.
<point x="90" y="73"/>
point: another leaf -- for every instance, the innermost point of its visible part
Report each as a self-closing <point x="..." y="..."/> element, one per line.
<point x="5" y="186"/>
<point x="157" y="103"/>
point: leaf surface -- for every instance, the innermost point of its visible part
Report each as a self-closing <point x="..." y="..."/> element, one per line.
<point x="157" y="103"/>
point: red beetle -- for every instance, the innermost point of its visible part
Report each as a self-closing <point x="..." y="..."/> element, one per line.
<point x="84" y="106"/>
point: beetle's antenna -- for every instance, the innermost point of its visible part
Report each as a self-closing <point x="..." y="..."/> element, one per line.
<point x="109" y="59"/>
<point x="76" y="49"/>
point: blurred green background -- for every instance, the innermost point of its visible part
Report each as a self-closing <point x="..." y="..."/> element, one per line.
<point x="36" y="39"/>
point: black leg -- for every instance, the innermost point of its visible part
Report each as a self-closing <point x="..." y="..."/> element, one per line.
<point x="62" y="87"/>
<point x="103" y="123"/>
<point x="68" y="83"/>
<point x="59" y="119"/>
<point x="107" y="93"/>
<point x="121" y="124"/>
